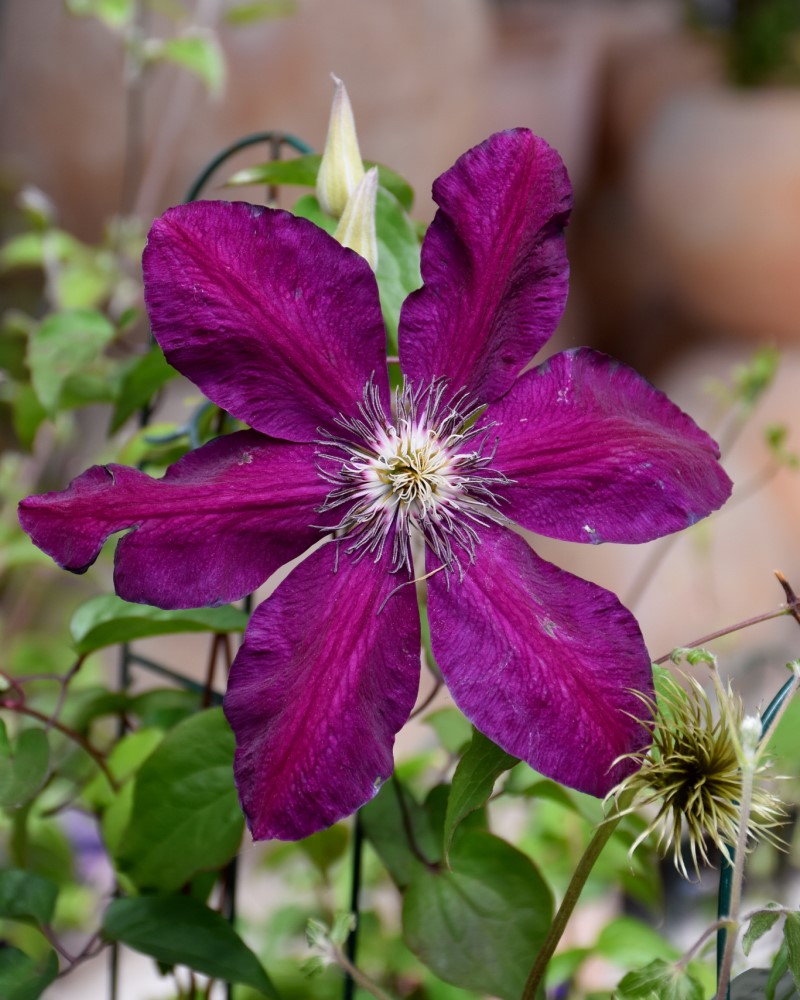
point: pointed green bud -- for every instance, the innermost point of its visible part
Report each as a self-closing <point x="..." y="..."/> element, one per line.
<point x="356" y="227"/>
<point x="341" y="169"/>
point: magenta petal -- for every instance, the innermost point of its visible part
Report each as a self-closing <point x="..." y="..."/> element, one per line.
<point x="326" y="676"/>
<point x="214" y="528"/>
<point x="596" y="454"/>
<point x="542" y="662"/>
<point x="494" y="267"/>
<point x="272" y="318"/>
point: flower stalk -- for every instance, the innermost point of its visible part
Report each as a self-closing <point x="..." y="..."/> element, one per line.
<point x="601" y="837"/>
<point x="731" y="886"/>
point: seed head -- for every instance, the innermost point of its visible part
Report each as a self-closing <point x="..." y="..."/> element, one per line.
<point x="692" y="775"/>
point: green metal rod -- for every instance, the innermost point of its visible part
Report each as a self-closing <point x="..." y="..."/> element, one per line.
<point x="726" y="868"/>
<point x="256" y="139"/>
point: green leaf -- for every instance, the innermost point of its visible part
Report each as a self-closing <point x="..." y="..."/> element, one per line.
<point x="626" y="941"/>
<point x="791" y="935"/>
<point x="384" y="827"/>
<point x="64" y="344"/>
<point x="31" y="249"/>
<point x="760" y="923"/>
<point x="29" y="414"/>
<point x="186" y="816"/>
<point x="301" y="171"/>
<point x="106" y="620"/>
<point x="180" y="930"/>
<point x="452" y="730"/>
<point x="198" y="51"/>
<point x="85" y="282"/>
<point x="480" y="924"/>
<point x="398" y="260"/>
<point x="660" y="981"/>
<point x="779" y="969"/>
<point x="325" y="848"/>
<point x="13" y="346"/>
<point x="246" y="13"/>
<point x="24" y="773"/>
<point x="23" y="977"/>
<point x="128" y="755"/>
<point x="27" y="896"/>
<point x="473" y="781"/>
<point x="139" y="384"/>
<point x="114" y="13"/>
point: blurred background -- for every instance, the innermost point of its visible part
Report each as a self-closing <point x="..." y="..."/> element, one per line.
<point x="679" y="123"/>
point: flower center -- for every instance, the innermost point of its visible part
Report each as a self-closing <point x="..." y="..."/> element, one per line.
<point x="424" y="471"/>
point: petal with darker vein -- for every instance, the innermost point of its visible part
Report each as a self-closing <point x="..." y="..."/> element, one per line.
<point x="218" y="523"/>
<point x="594" y="453"/>
<point x="327" y="675"/>
<point x="494" y="267"/>
<point x="266" y="313"/>
<point x="543" y="663"/>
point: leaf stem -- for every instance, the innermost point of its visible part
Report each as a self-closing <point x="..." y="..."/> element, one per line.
<point x="601" y="837"/>
<point x="92" y="750"/>
<point x="357" y="975"/>
<point x="756" y="620"/>
<point x="416" y="850"/>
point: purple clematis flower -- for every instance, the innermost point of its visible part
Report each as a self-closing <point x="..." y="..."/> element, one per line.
<point x="281" y="326"/>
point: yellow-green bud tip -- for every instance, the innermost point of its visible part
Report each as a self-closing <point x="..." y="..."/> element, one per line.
<point x="341" y="169"/>
<point x="356" y="227"/>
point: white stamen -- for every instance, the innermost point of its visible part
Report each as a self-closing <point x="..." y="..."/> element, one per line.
<point x="426" y="470"/>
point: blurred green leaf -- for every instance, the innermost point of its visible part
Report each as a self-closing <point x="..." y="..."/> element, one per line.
<point x="34" y="249"/>
<point x="325" y="848"/>
<point x="398" y="271"/>
<point x="139" y="384"/>
<point x="107" y="620"/>
<point x="27" y="896"/>
<point x="452" y="730"/>
<point x="25" y="978"/>
<point x="246" y="13"/>
<point x="64" y="344"/>
<point x="24" y="772"/>
<point x="752" y="380"/>
<point x="760" y="924"/>
<point x="197" y="51"/>
<point x="660" y="981"/>
<point x="114" y="13"/>
<point x="87" y="387"/>
<point x="127" y="756"/>
<point x="791" y="934"/>
<point x="480" y="924"/>
<point x="163" y="707"/>
<point x="628" y="942"/>
<point x="86" y="281"/>
<point x="780" y="966"/>
<point x="180" y="930"/>
<point x="28" y="415"/>
<point x="186" y="816"/>
<point x="473" y="781"/>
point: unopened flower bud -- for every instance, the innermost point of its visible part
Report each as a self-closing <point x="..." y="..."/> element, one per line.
<point x="356" y="227"/>
<point x="341" y="169"/>
<point x="749" y="735"/>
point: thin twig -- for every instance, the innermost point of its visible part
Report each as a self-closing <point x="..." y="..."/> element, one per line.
<point x="94" y="753"/>
<point x="792" y="607"/>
